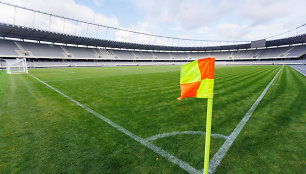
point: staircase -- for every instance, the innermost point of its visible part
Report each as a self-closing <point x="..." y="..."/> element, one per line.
<point x="21" y="50"/>
<point x="285" y="53"/>
<point x="66" y="53"/>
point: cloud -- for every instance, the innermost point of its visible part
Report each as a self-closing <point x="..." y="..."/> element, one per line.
<point x="98" y="2"/>
<point x="67" y="8"/>
<point x="187" y="14"/>
<point x="196" y="19"/>
<point x="265" y="11"/>
<point x="223" y="19"/>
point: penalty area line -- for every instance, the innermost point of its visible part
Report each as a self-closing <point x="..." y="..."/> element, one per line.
<point x="216" y="160"/>
<point x="142" y="141"/>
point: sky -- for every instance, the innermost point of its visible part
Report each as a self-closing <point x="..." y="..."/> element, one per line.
<point x="195" y="19"/>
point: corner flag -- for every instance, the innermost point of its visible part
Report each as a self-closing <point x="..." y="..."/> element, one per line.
<point x="197" y="80"/>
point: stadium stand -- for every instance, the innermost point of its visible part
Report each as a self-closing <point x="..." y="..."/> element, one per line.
<point x="195" y="55"/>
<point x="180" y="55"/>
<point x="245" y="54"/>
<point x="221" y="55"/>
<point x="15" y="31"/>
<point x="42" y="50"/>
<point x="11" y="48"/>
<point x="297" y="51"/>
<point x="79" y="52"/>
<point x="162" y="55"/>
<point x="20" y="41"/>
<point x="143" y="55"/>
<point x="273" y="52"/>
<point x="122" y="54"/>
<point x="8" y="48"/>
<point x="103" y="53"/>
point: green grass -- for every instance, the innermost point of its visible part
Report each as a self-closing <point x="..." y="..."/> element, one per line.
<point x="3" y="83"/>
<point x="43" y="132"/>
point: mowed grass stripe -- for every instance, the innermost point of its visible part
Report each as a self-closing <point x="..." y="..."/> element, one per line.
<point x="3" y="83"/>
<point x="193" y="156"/>
<point x="49" y="135"/>
<point x="236" y="81"/>
<point x="167" y="103"/>
<point x="238" y="74"/>
<point x="148" y="84"/>
<point x="228" y="71"/>
<point x="230" y="107"/>
<point x="216" y="160"/>
<point x="185" y="166"/>
<point x="90" y="146"/>
<point x="174" y="89"/>
<point x="144" y="105"/>
<point x="172" y="84"/>
<point x="272" y="141"/>
<point x="143" y="85"/>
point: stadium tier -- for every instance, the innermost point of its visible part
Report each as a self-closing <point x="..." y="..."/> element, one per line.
<point x="14" y="49"/>
<point x="22" y="32"/>
<point x="40" y="46"/>
<point x="8" y="48"/>
<point x="41" y="50"/>
<point x="145" y="55"/>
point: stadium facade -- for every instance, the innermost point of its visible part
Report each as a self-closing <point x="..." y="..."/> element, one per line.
<point x="46" y="48"/>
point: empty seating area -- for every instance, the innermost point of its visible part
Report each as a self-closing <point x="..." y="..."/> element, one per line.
<point x="196" y="55"/>
<point x="58" y="64"/>
<point x="273" y="52"/>
<point x="221" y="55"/>
<point x="145" y="55"/>
<point x="162" y="55"/>
<point x="102" y="51"/>
<point x="245" y="54"/>
<point x="10" y="48"/>
<point x="297" y="51"/>
<point x="180" y="55"/>
<point x="81" y="52"/>
<point x="42" y="50"/>
<point x="123" y="54"/>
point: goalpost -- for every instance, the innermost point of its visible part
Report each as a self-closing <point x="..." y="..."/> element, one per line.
<point x="16" y="66"/>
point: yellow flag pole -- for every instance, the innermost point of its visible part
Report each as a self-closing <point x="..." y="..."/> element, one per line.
<point x="208" y="132"/>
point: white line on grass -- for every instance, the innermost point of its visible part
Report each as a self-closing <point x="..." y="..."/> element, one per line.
<point x="147" y="144"/>
<point x="158" y="136"/>
<point x="299" y="69"/>
<point x="216" y="160"/>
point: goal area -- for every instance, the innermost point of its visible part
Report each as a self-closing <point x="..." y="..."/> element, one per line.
<point x="16" y="66"/>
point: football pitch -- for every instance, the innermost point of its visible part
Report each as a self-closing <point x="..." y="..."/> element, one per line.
<point x="128" y="120"/>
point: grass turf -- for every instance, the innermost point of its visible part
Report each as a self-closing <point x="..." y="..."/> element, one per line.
<point x="3" y="83"/>
<point x="42" y="132"/>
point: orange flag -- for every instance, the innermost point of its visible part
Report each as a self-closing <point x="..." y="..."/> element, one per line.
<point x="197" y="78"/>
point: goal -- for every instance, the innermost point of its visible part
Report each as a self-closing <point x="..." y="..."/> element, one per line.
<point x="16" y="66"/>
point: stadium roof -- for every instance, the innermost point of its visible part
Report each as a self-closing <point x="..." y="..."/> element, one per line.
<point x="21" y="32"/>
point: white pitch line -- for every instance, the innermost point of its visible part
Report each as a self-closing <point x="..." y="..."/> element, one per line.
<point x="298" y="69"/>
<point x="142" y="141"/>
<point x="216" y="160"/>
<point x="158" y="136"/>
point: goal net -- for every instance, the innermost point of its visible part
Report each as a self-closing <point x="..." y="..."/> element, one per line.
<point x="16" y="66"/>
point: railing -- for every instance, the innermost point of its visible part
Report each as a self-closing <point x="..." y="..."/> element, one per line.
<point x="18" y="15"/>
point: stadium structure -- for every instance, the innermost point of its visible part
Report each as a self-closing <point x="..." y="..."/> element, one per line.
<point x="47" y="48"/>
